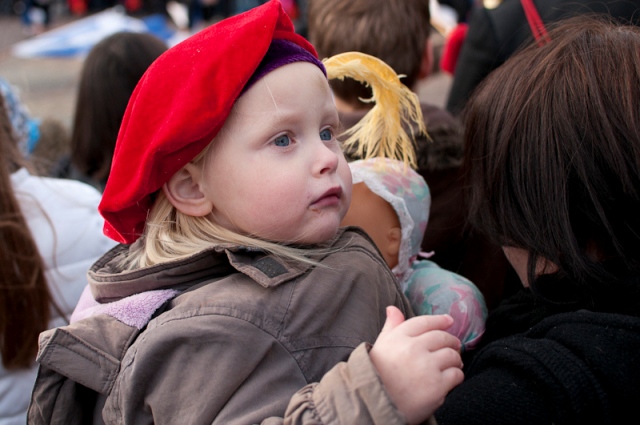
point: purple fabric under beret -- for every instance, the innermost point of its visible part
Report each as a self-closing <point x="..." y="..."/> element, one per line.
<point x="282" y="52"/>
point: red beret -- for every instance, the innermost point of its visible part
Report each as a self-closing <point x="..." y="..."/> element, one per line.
<point x="179" y="106"/>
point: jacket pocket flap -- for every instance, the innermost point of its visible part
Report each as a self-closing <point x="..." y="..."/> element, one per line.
<point x="79" y="361"/>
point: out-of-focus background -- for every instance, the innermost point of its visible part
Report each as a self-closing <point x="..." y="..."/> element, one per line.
<point x="44" y="62"/>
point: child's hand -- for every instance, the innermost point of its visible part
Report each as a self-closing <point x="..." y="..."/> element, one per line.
<point x="418" y="362"/>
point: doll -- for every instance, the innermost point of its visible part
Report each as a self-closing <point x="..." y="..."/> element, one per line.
<point x="391" y="201"/>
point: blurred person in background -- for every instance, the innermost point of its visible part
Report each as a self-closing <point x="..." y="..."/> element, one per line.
<point x="50" y="233"/>
<point x="500" y="28"/>
<point x="109" y="75"/>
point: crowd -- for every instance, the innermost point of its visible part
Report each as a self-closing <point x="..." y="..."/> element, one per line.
<point x="264" y="224"/>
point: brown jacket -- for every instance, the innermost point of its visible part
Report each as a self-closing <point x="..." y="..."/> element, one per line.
<point x="249" y="339"/>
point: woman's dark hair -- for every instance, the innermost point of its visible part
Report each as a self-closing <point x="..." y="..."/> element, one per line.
<point x="25" y="300"/>
<point x="110" y="73"/>
<point x="553" y="150"/>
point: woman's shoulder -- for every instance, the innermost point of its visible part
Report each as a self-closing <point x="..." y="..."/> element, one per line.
<point x="591" y="340"/>
<point x="582" y="360"/>
<point x="589" y="329"/>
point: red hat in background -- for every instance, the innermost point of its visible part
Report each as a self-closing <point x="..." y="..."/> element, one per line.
<point x="179" y="106"/>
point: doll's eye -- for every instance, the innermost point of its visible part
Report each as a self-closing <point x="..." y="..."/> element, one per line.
<point x="326" y="135"/>
<point x="282" y="141"/>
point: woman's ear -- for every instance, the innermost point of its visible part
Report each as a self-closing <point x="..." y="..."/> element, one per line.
<point x="184" y="192"/>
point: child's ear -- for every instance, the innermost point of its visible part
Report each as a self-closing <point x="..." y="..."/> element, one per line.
<point x="392" y="248"/>
<point x="426" y="65"/>
<point x="184" y="193"/>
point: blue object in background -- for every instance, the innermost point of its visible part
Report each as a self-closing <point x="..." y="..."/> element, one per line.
<point x="77" y="38"/>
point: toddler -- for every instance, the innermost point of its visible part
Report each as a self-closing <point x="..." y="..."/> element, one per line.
<point x="234" y="296"/>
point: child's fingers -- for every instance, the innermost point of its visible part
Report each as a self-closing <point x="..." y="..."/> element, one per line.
<point x="446" y="358"/>
<point x="436" y="340"/>
<point x="452" y="377"/>
<point x="421" y="324"/>
<point x="394" y="318"/>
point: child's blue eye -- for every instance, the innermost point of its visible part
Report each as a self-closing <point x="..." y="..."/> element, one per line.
<point x="326" y="135"/>
<point x="282" y="141"/>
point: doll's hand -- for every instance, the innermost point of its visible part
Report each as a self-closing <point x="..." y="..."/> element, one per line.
<point x="418" y="362"/>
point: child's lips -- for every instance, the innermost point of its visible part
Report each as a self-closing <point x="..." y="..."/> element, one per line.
<point x="330" y="198"/>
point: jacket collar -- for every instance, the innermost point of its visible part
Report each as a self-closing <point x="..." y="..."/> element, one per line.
<point x="109" y="283"/>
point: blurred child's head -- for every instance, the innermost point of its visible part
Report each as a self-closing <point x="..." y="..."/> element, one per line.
<point x="242" y="150"/>
<point x="396" y="32"/>
<point x="553" y="151"/>
<point x="110" y="73"/>
<point x="391" y="203"/>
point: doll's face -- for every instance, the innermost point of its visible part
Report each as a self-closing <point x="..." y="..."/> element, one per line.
<point x="377" y="217"/>
<point x="276" y="170"/>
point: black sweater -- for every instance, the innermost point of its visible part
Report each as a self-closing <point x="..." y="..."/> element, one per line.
<point x="544" y="363"/>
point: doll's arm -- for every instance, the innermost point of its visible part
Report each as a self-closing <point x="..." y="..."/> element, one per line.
<point x="434" y="290"/>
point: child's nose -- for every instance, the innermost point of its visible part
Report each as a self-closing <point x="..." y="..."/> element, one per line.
<point x="326" y="160"/>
